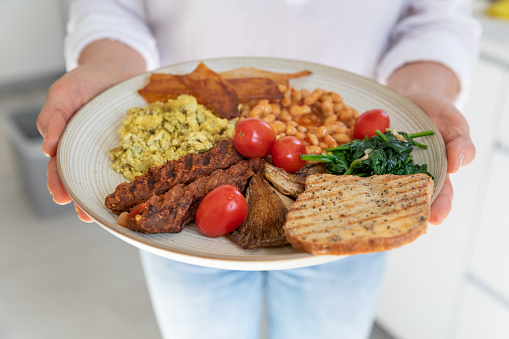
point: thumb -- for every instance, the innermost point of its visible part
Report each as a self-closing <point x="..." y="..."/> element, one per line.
<point x="66" y="96"/>
<point x="56" y="112"/>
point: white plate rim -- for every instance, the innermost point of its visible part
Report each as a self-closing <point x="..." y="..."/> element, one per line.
<point x="301" y="259"/>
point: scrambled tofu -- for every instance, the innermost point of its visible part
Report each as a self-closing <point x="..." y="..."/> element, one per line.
<point x="160" y="132"/>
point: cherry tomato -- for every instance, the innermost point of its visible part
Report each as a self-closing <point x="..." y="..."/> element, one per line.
<point x="286" y="153"/>
<point x="136" y="209"/>
<point x="368" y="122"/>
<point x="221" y="211"/>
<point x="254" y="138"/>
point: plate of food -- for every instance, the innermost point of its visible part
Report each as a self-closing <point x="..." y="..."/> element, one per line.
<point x="141" y="157"/>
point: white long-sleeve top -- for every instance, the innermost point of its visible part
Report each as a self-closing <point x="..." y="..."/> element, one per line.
<point x="368" y="37"/>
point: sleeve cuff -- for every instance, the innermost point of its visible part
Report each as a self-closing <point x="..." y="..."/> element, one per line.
<point x="108" y="22"/>
<point x="438" y="47"/>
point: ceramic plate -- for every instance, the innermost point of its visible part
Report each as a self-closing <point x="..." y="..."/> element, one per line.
<point x="84" y="163"/>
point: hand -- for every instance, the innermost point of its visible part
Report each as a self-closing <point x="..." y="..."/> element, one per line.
<point x="460" y="148"/>
<point x="64" y="98"/>
<point x="434" y="87"/>
<point x="102" y="64"/>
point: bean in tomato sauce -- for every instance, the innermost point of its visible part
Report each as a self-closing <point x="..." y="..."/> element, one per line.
<point x="319" y="118"/>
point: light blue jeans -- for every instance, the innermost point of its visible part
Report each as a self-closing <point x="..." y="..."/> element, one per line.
<point x="333" y="300"/>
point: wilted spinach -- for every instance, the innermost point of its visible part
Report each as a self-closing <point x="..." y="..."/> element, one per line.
<point x="383" y="153"/>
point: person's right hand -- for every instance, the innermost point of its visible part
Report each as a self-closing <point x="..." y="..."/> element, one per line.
<point x="102" y="64"/>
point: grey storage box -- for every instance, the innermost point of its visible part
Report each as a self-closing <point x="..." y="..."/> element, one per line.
<point x="31" y="163"/>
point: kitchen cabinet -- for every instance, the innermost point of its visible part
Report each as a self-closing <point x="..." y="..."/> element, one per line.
<point x="434" y="286"/>
<point x="503" y="126"/>
<point x="490" y="256"/>
<point x="482" y="315"/>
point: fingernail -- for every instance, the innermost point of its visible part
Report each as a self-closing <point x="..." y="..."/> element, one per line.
<point x="461" y="157"/>
<point x="42" y="147"/>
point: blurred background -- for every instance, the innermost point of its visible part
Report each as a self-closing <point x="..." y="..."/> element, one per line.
<point x="61" y="278"/>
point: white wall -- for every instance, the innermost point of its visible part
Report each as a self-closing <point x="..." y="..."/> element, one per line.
<point x="31" y="39"/>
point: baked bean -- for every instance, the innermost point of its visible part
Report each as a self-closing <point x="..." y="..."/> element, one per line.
<point x="286" y="102"/>
<point x="321" y="131"/>
<point x="288" y="93"/>
<point x="270" y="118"/>
<point x="336" y="98"/>
<point x="342" y="126"/>
<point x="341" y="138"/>
<point x="311" y="149"/>
<point x="310" y="99"/>
<point x="255" y="112"/>
<point x="338" y="107"/>
<point x="325" y="98"/>
<point x="266" y="109"/>
<point x="291" y="130"/>
<point x="300" y="110"/>
<point x="312" y="137"/>
<point x="302" y="129"/>
<point x="331" y="129"/>
<point x="331" y="119"/>
<point x="330" y="141"/>
<point x="278" y="127"/>
<point x="319" y="118"/>
<point x="313" y="97"/>
<point x="306" y="121"/>
<point x="320" y="91"/>
<point x="327" y="114"/>
<point x="300" y="135"/>
<point x="328" y="106"/>
<point x="351" y="122"/>
<point x="259" y="110"/>
<point x="245" y="110"/>
<point x="349" y="132"/>
<point x="275" y="109"/>
<point x="296" y="96"/>
<point x="285" y="115"/>
<point x="346" y="114"/>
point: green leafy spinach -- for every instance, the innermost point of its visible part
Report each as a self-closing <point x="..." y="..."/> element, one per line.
<point x="383" y="153"/>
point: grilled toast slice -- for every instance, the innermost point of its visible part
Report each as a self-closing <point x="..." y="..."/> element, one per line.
<point x="351" y="215"/>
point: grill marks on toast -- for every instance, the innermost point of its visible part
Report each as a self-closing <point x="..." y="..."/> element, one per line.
<point x="349" y="214"/>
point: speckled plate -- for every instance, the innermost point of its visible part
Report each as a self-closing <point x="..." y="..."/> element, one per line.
<point x="84" y="164"/>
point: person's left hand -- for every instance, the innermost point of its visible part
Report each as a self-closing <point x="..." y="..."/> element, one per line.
<point x="456" y="134"/>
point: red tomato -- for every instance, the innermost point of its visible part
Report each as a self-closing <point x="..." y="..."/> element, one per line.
<point x="368" y="122"/>
<point x="136" y="209"/>
<point x="221" y="211"/>
<point x="286" y="153"/>
<point x="254" y="138"/>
